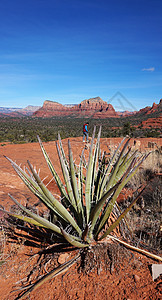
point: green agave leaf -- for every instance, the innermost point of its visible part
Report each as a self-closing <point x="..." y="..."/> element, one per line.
<point x="74" y="180"/>
<point x="116" y="167"/>
<point x="67" y="179"/>
<point x="116" y="223"/>
<point x="80" y="178"/>
<point x="99" y="206"/>
<point x="88" y="185"/>
<point x="111" y="203"/>
<point x="108" y="170"/>
<point x="54" y="173"/>
<point x="36" y="190"/>
<point x="125" y="164"/>
<point x="72" y="240"/>
<point x="100" y="175"/>
<point x="24" y="174"/>
<point x="43" y="193"/>
<point x="80" y="187"/>
<point x="37" y="218"/>
<point x="127" y="176"/>
<point x="125" y="156"/>
<point x="63" y="153"/>
<point x="23" y="218"/>
<point x="60" y="208"/>
<point x="65" y="200"/>
<point x="95" y="159"/>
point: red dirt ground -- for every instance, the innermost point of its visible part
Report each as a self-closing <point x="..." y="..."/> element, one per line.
<point x="131" y="281"/>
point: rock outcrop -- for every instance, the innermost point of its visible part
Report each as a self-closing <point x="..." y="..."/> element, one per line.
<point x="93" y="107"/>
<point x="151" y="109"/>
<point x="152" y="123"/>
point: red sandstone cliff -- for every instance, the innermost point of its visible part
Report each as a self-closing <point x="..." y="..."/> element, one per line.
<point x="149" y="110"/>
<point x="95" y="107"/>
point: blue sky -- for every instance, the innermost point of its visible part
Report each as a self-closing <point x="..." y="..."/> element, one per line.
<point x="68" y="51"/>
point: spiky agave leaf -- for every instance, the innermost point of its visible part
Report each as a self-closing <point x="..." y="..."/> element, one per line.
<point x="63" y="153"/>
<point x="54" y="173"/>
<point x="23" y="218"/>
<point x="71" y="240"/>
<point x="107" y="173"/>
<point x="99" y="206"/>
<point x="80" y="181"/>
<point x="38" y="218"/>
<point x="40" y="190"/>
<point x="73" y="177"/>
<point x="122" y="215"/>
<point x="131" y="171"/>
<point x="34" y="187"/>
<point x="95" y="167"/>
<point x="66" y="178"/>
<point x="60" y="208"/>
<point x="116" y="166"/>
<point x="88" y="187"/>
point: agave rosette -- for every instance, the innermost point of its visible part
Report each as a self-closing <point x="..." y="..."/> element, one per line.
<point x="88" y="192"/>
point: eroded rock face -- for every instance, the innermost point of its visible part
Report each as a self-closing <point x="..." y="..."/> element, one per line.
<point x="152" y="122"/>
<point x="95" y="107"/>
<point x="47" y="105"/>
<point x="149" y="110"/>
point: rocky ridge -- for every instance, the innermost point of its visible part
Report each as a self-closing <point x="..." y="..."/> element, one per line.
<point x="17" y="112"/>
<point x="151" y="109"/>
<point x="95" y="107"/>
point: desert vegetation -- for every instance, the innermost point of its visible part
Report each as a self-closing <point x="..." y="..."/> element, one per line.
<point x="86" y="211"/>
<point x="25" y="129"/>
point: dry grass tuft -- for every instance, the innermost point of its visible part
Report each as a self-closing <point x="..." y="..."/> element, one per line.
<point x="145" y="217"/>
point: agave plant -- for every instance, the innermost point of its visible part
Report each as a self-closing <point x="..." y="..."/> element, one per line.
<point x="88" y="192"/>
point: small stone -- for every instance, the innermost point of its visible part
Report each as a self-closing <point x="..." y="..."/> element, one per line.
<point x="62" y="258"/>
<point x="136" y="278"/>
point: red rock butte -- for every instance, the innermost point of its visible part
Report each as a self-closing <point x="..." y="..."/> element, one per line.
<point x="149" y="110"/>
<point x="93" y="107"/>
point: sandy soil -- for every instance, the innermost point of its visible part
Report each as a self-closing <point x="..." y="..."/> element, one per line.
<point x="132" y="280"/>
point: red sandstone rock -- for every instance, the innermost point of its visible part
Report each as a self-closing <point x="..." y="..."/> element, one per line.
<point x="153" y="122"/>
<point x="95" y="107"/>
<point x="149" y="110"/>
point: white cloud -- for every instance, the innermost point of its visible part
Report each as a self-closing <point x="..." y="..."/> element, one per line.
<point x="152" y="69"/>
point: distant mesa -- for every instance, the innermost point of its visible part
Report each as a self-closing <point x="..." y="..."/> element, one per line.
<point x="17" y="112"/>
<point x="93" y="107"/>
<point x="29" y="110"/>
